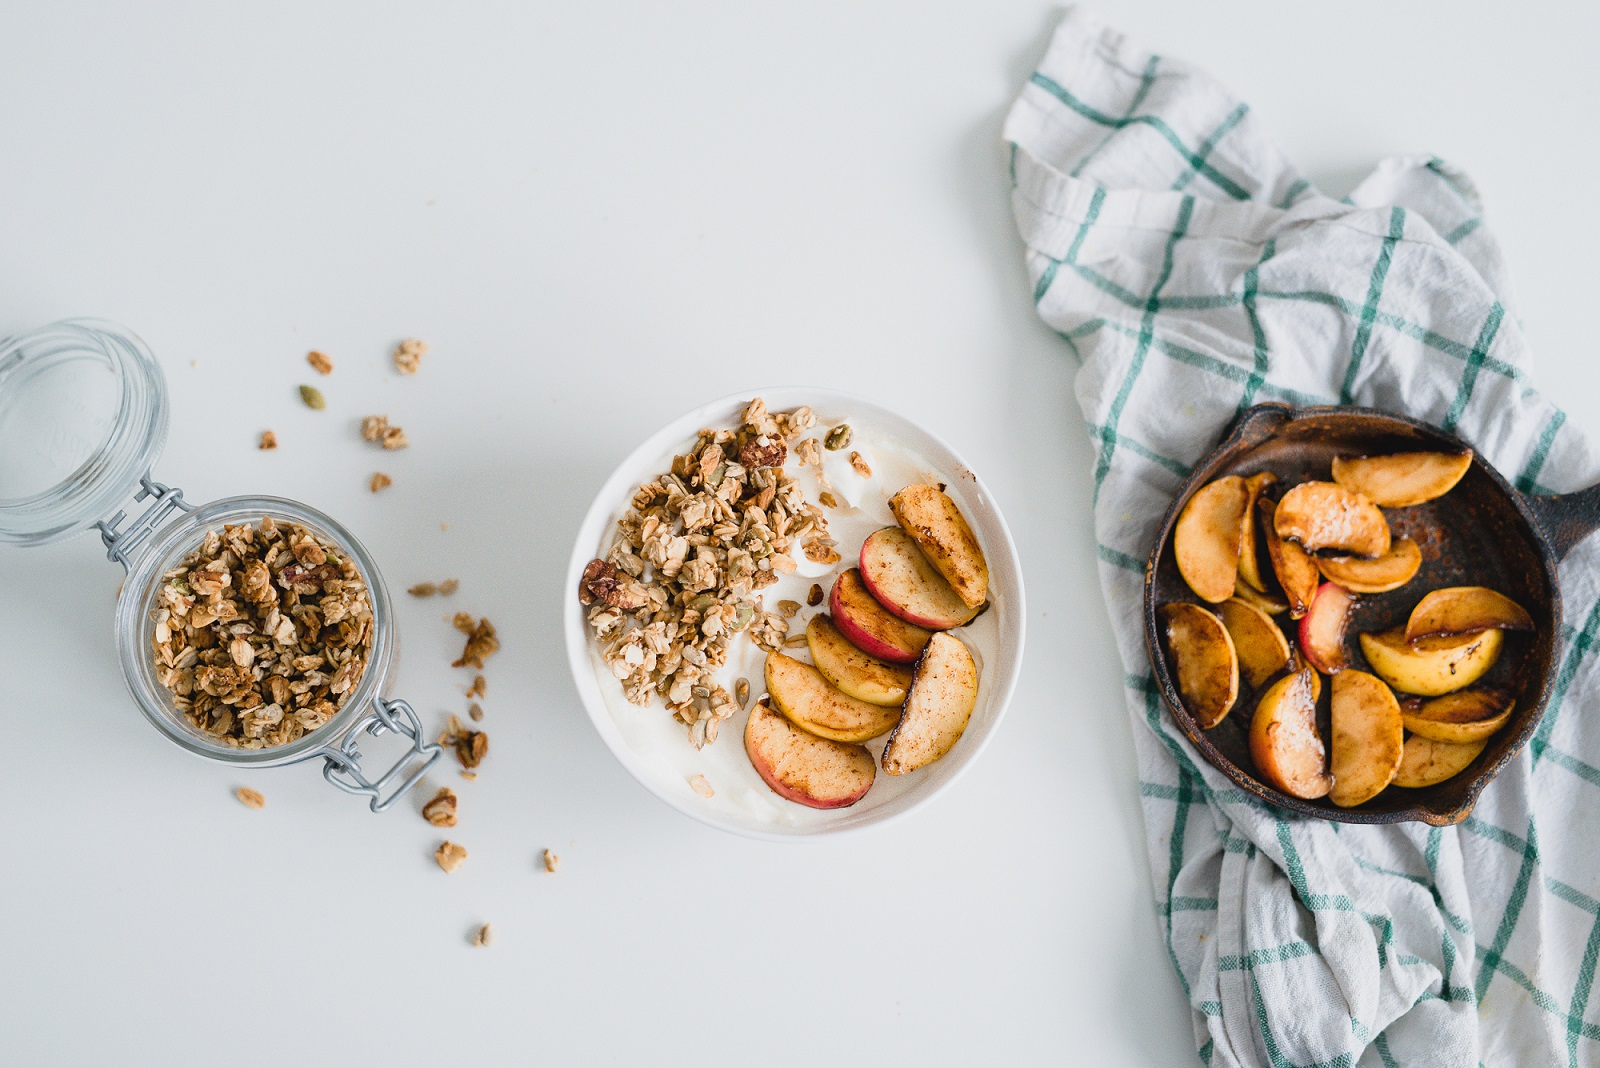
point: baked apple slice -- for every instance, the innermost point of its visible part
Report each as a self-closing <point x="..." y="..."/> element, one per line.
<point x="800" y="692"/>
<point x="1250" y="545"/>
<point x="866" y="678"/>
<point x="1368" y="738"/>
<point x="1426" y="761"/>
<point x="1208" y="537"/>
<point x="1430" y="667"/>
<point x="933" y="521"/>
<point x="869" y="626"/>
<point x="937" y="708"/>
<point x="1322" y="629"/>
<point x="803" y="768"/>
<point x="1269" y="603"/>
<point x="1464" y="716"/>
<point x="1205" y="661"/>
<point x="904" y="581"/>
<point x="1388" y="572"/>
<point x="1325" y="515"/>
<point x="1403" y="478"/>
<point x="1465" y="610"/>
<point x="1260" y="646"/>
<point x="1284" y="743"/>
<point x="1295" y="568"/>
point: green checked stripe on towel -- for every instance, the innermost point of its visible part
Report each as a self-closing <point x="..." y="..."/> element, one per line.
<point x="1194" y="272"/>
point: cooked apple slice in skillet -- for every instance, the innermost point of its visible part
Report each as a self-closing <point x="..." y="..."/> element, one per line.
<point x="1208" y="537"/>
<point x="1270" y="603"/>
<point x="1401" y="479"/>
<point x="1464" y="716"/>
<point x="1430" y="667"/>
<point x="1260" y="646"/>
<point x="803" y="768"/>
<point x="869" y="626"/>
<point x="1368" y="738"/>
<point x="1388" y="572"/>
<point x="1465" y="610"/>
<point x="903" y="580"/>
<point x="1284" y="743"/>
<point x="934" y="522"/>
<point x="1325" y="515"/>
<point x="937" y="708"/>
<point x="799" y="691"/>
<point x="1426" y="761"/>
<point x="866" y="678"/>
<point x="1206" y="663"/>
<point x="1249" y="544"/>
<point x="1322" y="629"/>
<point x="1296" y="570"/>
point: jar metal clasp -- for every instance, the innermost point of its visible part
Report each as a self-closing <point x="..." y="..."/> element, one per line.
<point x="119" y="543"/>
<point x="343" y="761"/>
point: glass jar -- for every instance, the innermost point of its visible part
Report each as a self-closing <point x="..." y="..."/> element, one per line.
<point x="83" y="417"/>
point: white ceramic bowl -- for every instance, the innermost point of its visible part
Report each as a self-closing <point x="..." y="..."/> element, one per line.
<point x="658" y="754"/>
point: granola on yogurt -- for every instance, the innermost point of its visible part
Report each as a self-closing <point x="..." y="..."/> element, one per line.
<point x="693" y="552"/>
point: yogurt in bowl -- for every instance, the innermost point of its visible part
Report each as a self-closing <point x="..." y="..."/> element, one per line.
<point x="892" y="453"/>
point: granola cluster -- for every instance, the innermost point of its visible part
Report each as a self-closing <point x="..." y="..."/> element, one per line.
<point x="691" y="557"/>
<point x="261" y="633"/>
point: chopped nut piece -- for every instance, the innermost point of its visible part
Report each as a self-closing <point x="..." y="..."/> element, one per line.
<point x="701" y="785"/>
<point x="470" y="776"/>
<point x="313" y="397"/>
<point x="449" y="856"/>
<point x="373" y="426"/>
<point x="763" y="452"/>
<point x="809" y="453"/>
<point x="380" y="481"/>
<point x="551" y="861"/>
<point x="814" y="597"/>
<point x="449" y="586"/>
<point x="408" y="355"/>
<point x="741" y="692"/>
<point x="860" y="465"/>
<point x="250" y="798"/>
<point x="789" y="608"/>
<point x="320" y="361"/>
<point x="483" y="937"/>
<point x="479" y="685"/>
<point x="481" y="642"/>
<point x="795" y="642"/>
<point x="269" y="441"/>
<point x="838" y="437"/>
<point x="423" y="589"/>
<point x="395" y="438"/>
<point x="475" y="712"/>
<point x="827" y="499"/>
<point x="441" y="811"/>
<point x="820" y="553"/>
<point x="470" y="746"/>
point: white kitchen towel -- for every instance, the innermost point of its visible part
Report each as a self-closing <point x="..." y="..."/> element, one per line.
<point x="1195" y="272"/>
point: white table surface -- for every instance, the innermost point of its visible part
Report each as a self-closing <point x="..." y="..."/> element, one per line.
<point x="600" y="215"/>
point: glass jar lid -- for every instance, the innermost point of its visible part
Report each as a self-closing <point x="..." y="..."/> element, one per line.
<point x="83" y="415"/>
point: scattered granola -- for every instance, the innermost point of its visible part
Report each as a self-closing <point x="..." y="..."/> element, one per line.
<point x="481" y="640"/>
<point x="838" y="437"/>
<point x="313" y="397"/>
<point x="441" y="811"/>
<point x="470" y="776"/>
<point x="741" y="692"/>
<point x="423" y="589"/>
<point x="692" y="554"/>
<point x="821" y="551"/>
<point x="269" y="441"/>
<point x="814" y="597"/>
<point x="860" y="465"/>
<point x="788" y="608"/>
<point x="320" y="361"/>
<point x="795" y="642"/>
<point x="551" y="861"/>
<point x="380" y="481"/>
<point x="250" y="798"/>
<point x="376" y="428"/>
<point x="449" y="856"/>
<point x="470" y="746"/>
<point x="479" y="685"/>
<point x="408" y="355"/>
<point x="701" y="785"/>
<point x="482" y="937"/>
<point x="261" y="633"/>
<point x="808" y="453"/>
<point x="449" y="586"/>
<point x="475" y="712"/>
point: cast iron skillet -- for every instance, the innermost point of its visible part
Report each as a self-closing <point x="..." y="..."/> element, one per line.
<point x="1482" y="533"/>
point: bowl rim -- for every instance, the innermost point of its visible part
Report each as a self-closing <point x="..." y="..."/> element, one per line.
<point x="606" y="501"/>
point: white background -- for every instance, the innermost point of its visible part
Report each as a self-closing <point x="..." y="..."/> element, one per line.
<point x="600" y="215"/>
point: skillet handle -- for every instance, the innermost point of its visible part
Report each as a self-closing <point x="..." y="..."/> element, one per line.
<point x="1565" y="519"/>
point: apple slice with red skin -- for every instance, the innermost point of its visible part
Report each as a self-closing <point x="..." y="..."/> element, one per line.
<point x="1465" y="610"/>
<point x="1295" y="569"/>
<point x="803" y="768"/>
<point x="937" y="708"/>
<point x="866" y="678"/>
<point x="1322" y="629"/>
<point x="1284" y="743"/>
<point x="869" y="626"/>
<point x="800" y="692"/>
<point x="903" y="580"/>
